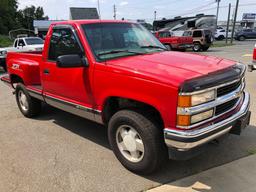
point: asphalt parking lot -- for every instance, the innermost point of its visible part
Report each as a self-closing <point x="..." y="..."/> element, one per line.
<point x="61" y="152"/>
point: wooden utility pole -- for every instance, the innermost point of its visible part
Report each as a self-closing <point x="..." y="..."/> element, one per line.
<point x="227" y="30"/>
<point x="217" y="14"/>
<point x="99" y="9"/>
<point x="234" y="22"/>
<point x="114" y="12"/>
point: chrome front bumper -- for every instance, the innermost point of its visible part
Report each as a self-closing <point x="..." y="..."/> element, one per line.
<point x="184" y="140"/>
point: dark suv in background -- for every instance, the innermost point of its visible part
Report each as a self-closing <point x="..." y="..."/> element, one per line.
<point x="245" y="34"/>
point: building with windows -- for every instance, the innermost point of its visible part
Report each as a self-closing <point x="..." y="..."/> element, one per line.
<point x="76" y="13"/>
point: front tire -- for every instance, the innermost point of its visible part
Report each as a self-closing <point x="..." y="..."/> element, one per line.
<point x="29" y="106"/>
<point x="137" y="142"/>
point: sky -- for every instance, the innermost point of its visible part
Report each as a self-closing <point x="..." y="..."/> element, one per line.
<point x="142" y="9"/>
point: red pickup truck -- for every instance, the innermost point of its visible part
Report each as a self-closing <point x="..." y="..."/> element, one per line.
<point x="153" y="102"/>
<point x="252" y="66"/>
<point x="172" y="42"/>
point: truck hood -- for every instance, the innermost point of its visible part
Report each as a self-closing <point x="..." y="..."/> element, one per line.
<point x="170" y="67"/>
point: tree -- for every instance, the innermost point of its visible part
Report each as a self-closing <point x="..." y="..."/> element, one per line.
<point x="8" y="10"/>
<point x="12" y="18"/>
<point x="29" y="14"/>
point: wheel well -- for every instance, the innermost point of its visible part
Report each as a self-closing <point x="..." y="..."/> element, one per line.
<point x="16" y="79"/>
<point x="114" y="104"/>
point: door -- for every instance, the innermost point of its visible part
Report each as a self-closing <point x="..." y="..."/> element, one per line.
<point x="66" y="85"/>
<point x="21" y="45"/>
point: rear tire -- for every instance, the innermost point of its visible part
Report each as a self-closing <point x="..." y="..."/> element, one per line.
<point x="221" y="37"/>
<point x="5" y="68"/>
<point x="147" y="144"/>
<point x="241" y="38"/>
<point x="197" y="47"/>
<point x="29" y="106"/>
<point x="205" y="48"/>
<point x="169" y="48"/>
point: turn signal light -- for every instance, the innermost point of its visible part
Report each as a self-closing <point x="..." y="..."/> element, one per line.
<point x="184" y="101"/>
<point x="183" y="120"/>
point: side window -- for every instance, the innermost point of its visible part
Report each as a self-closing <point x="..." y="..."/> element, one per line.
<point x="197" y="34"/>
<point x="222" y="31"/>
<point x="63" y="42"/>
<point x="164" y="34"/>
<point x="16" y="43"/>
<point x="21" y="43"/>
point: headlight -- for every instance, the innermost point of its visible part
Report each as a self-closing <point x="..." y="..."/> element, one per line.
<point x="197" y="99"/>
<point x="3" y="52"/>
<point x="201" y="116"/>
<point x="186" y="120"/>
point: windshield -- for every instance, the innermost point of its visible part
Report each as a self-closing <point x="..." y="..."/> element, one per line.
<point x="112" y="40"/>
<point x="34" y="41"/>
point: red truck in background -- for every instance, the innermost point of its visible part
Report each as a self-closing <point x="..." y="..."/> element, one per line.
<point x="172" y="42"/>
<point x="153" y="102"/>
<point x="252" y="66"/>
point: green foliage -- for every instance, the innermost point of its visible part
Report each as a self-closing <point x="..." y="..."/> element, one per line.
<point x="8" y="10"/>
<point x="28" y="14"/>
<point x="5" y="41"/>
<point x="12" y="18"/>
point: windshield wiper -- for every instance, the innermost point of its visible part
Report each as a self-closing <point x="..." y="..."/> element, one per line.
<point x="153" y="47"/>
<point x="119" y="51"/>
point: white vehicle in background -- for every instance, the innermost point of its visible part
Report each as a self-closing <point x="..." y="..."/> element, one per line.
<point x="3" y="54"/>
<point x="22" y="44"/>
<point x="220" y="34"/>
<point x="27" y="44"/>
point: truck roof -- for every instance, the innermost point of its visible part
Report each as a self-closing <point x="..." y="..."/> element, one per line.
<point x="90" y="21"/>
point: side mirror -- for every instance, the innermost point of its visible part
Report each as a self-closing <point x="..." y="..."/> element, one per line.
<point x="71" y="61"/>
<point x="20" y="45"/>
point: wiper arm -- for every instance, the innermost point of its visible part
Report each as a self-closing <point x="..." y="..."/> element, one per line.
<point x="153" y="47"/>
<point x="119" y="51"/>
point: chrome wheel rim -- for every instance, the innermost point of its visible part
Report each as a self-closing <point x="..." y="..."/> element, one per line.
<point x="196" y="47"/>
<point x="129" y="143"/>
<point x="23" y="101"/>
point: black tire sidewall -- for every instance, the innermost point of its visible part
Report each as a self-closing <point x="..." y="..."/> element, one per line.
<point x="199" y="45"/>
<point x="169" y="47"/>
<point x="150" y="159"/>
<point x="33" y="104"/>
<point x="241" y="38"/>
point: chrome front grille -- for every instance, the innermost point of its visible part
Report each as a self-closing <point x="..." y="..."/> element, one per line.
<point x="225" y="107"/>
<point x="228" y="96"/>
<point x="228" y="88"/>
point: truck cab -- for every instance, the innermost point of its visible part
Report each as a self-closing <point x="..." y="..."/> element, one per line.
<point x="154" y="103"/>
<point x="173" y="42"/>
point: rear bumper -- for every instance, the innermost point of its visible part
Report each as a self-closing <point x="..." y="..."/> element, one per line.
<point x="185" y="140"/>
<point x="6" y="79"/>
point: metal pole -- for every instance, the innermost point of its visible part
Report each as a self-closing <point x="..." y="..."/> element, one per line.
<point x="154" y="15"/>
<point x="229" y="9"/>
<point x="99" y="9"/>
<point x="234" y="22"/>
<point x="217" y="14"/>
<point x="114" y="11"/>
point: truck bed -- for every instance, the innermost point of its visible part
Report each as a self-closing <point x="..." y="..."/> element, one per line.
<point x="26" y="66"/>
